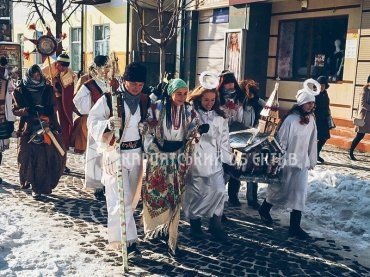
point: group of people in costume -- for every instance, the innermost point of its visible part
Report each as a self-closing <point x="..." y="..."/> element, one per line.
<point x="182" y="135"/>
<point x="185" y="138"/>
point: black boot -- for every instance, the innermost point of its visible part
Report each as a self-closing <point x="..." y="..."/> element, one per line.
<point x="351" y="156"/>
<point x="233" y="190"/>
<point x="196" y="229"/>
<point x="295" y="229"/>
<point x="224" y="219"/>
<point x="355" y="142"/>
<point x="264" y="212"/>
<point x="321" y="160"/>
<point x="132" y="250"/>
<point x="252" y="199"/>
<point x="216" y="229"/>
<point x="99" y="194"/>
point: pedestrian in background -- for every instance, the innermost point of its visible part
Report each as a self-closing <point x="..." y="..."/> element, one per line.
<point x="363" y="121"/>
<point x="252" y="108"/>
<point x="322" y="115"/>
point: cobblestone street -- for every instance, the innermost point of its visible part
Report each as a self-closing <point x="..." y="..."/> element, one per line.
<point x="253" y="249"/>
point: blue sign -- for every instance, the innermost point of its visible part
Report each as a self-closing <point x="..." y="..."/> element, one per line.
<point x="221" y="16"/>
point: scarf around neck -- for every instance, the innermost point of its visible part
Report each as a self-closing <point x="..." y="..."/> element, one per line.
<point x="132" y="101"/>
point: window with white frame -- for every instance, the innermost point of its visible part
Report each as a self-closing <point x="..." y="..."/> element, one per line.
<point x="101" y="40"/>
<point x="76" y="49"/>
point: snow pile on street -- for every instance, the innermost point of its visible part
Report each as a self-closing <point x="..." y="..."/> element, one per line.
<point x="337" y="207"/>
<point x="33" y="245"/>
<point x="340" y="203"/>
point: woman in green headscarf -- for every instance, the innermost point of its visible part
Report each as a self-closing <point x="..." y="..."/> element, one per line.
<point x="169" y="133"/>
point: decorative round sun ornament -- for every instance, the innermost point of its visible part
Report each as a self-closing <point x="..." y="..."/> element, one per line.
<point x="46" y="45"/>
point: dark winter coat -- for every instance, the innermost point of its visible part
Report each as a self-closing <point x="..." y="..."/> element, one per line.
<point x="40" y="165"/>
<point x="322" y="114"/>
<point x="364" y="110"/>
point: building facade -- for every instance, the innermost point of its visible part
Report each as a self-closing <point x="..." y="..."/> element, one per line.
<point x="288" y="41"/>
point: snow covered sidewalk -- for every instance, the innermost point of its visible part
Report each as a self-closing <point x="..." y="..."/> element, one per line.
<point x="34" y="244"/>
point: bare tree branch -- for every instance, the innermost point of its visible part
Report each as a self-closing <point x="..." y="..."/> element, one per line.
<point x="31" y="3"/>
<point x="72" y="12"/>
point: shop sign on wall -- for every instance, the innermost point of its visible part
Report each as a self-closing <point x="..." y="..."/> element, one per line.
<point x="351" y="46"/>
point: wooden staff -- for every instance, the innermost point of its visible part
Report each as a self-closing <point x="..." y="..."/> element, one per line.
<point x="51" y="76"/>
<point x="115" y="96"/>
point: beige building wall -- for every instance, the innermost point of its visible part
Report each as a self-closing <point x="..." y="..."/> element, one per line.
<point x="20" y="26"/>
<point x="114" y="15"/>
<point x="341" y="93"/>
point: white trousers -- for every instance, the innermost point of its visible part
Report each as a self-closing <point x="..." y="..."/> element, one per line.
<point x="132" y="171"/>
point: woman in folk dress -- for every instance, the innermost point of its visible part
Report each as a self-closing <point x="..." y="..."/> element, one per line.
<point x="168" y="134"/>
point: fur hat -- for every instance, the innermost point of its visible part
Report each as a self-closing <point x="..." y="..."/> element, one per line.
<point x="135" y="72"/>
<point x="101" y="60"/>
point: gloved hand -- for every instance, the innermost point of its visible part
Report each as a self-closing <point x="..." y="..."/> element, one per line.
<point x="204" y="128"/>
<point x="113" y="123"/>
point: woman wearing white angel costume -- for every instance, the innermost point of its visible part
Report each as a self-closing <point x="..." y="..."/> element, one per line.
<point x="205" y="193"/>
<point x="298" y="136"/>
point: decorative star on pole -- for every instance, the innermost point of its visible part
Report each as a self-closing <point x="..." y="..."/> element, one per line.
<point x="46" y="44"/>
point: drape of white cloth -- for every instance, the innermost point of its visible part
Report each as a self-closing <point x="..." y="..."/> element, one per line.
<point x="96" y="124"/>
<point x="205" y="193"/>
<point x="300" y="143"/>
<point x="132" y="174"/>
<point x="83" y="103"/>
<point x="205" y="196"/>
<point x="82" y="99"/>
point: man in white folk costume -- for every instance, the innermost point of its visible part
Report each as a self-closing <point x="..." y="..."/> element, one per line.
<point x="132" y="107"/>
<point x="84" y="100"/>
<point x="298" y="137"/>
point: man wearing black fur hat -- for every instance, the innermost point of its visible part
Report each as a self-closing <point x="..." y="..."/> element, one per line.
<point x="132" y="106"/>
<point x="84" y="100"/>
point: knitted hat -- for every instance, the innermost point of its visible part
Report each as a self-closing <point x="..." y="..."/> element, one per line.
<point x="64" y="59"/>
<point x="101" y="60"/>
<point x="323" y="80"/>
<point x="174" y="85"/>
<point x="135" y="72"/>
<point x="307" y="94"/>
